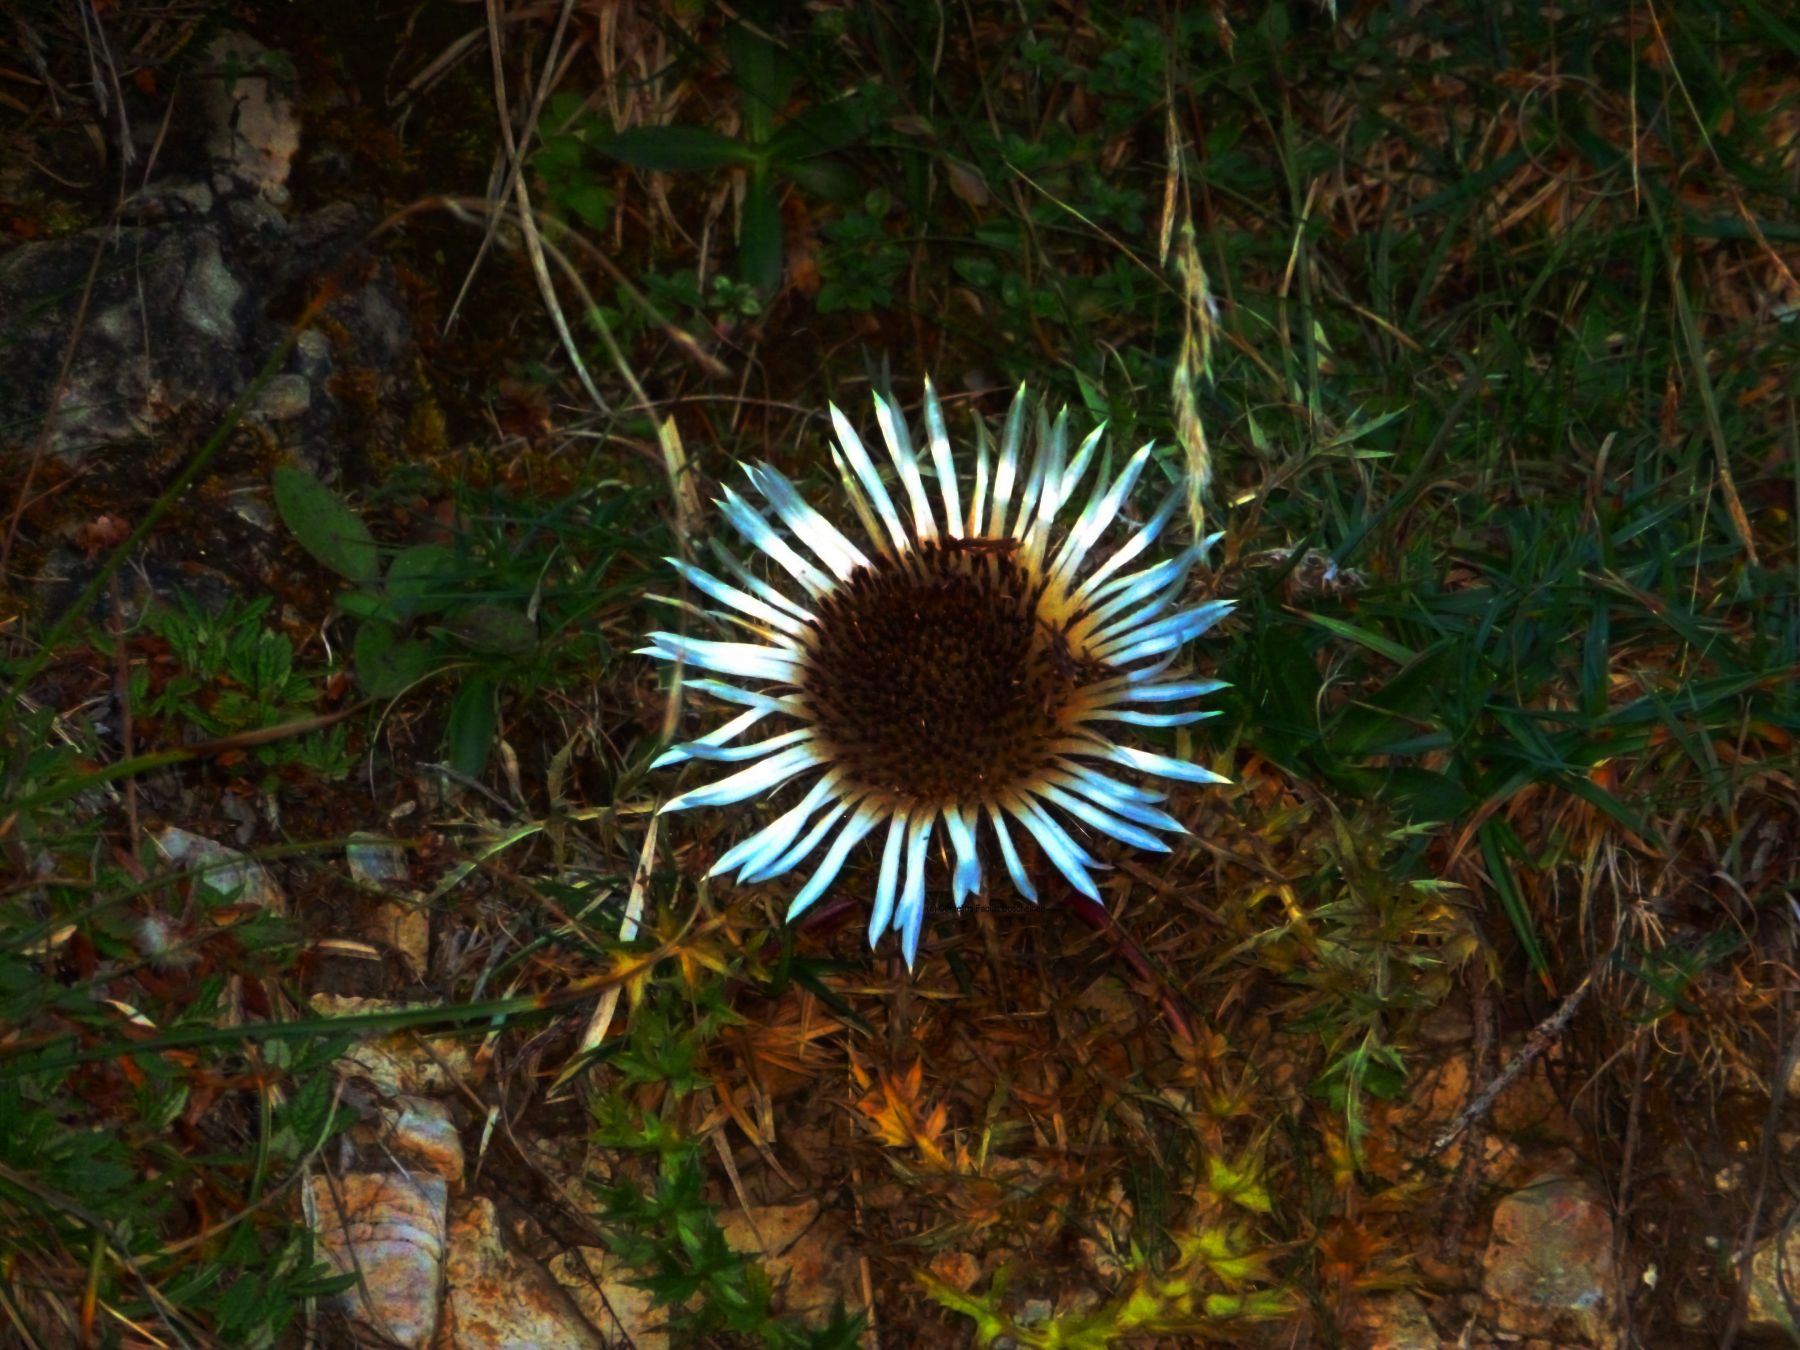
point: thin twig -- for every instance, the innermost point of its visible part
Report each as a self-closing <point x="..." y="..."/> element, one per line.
<point x="515" y="153"/>
<point x="1460" y="1205"/>
<point x="1097" y="917"/>
<point x="122" y="696"/>
<point x="1543" y="1036"/>
<point x="1634" y="1116"/>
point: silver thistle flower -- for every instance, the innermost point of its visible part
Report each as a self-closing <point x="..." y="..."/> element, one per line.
<point x="967" y="665"/>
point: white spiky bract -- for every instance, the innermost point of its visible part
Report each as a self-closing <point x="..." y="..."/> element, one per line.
<point x="1092" y="642"/>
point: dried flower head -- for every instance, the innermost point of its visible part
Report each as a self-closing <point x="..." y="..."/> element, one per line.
<point x="970" y="664"/>
<point x="165" y="942"/>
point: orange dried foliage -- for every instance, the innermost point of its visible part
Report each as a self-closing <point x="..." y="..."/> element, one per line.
<point x="787" y="1048"/>
<point x="894" y="1106"/>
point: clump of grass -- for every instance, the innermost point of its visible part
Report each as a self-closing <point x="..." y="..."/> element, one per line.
<point x="147" y="1188"/>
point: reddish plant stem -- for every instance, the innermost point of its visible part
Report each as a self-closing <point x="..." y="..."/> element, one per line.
<point x="828" y="914"/>
<point x="1096" y="916"/>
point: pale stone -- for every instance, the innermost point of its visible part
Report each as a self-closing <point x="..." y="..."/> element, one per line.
<point x="375" y="861"/>
<point x="399" y="920"/>
<point x="416" y="1133"/>
<point x="221" y="869"/>
<point x="601" y="1287"/>
<point x="256" y="133"/>
<point x="404" y="928"/>
<point x="209" y="294"/>
<point x="1774" y="1284"/>
<point x="400" y="1063"/>
<point x="390" y="1229"/>
<point x="284" y="398"/>
<point x="500" y="1300"/>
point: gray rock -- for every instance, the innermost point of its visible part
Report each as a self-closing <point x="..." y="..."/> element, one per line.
<point x="1548" y="1270"/>
<point x="177" y="321"/>
<point x="284" y="398"/>
<point x="209" y="295"/>
<point x="190" y="292"/>
<point x="168" y="200"/>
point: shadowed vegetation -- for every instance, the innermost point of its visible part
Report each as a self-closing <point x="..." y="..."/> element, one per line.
<point x="1472" y="329"/>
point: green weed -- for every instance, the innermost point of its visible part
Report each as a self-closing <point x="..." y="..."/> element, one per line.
<point x="230" y="674"/>
<point x="505" y="603"/>
<point x="663" y="1226"/>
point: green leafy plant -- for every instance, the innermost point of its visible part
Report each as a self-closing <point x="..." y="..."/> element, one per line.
<point x="1210" y="1286"/>
<point x="860" y="261"/>
<point x="506" y="601"/>
<point x="664" y="1226"/>
<point x="679" y="294"/>
<point x="418" y="582"/>
<point x="568" y="137"/>
<point x="108" y="1168"/>
<point x="772" y="150"/>
<point x="231" y="674"/>
<point x="396" y="647"/>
